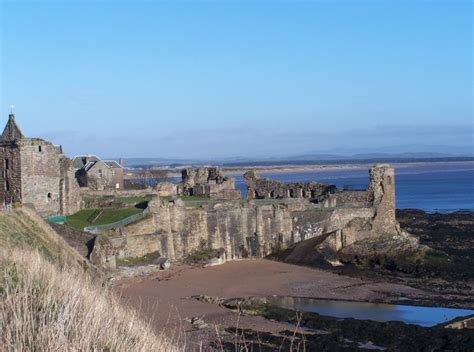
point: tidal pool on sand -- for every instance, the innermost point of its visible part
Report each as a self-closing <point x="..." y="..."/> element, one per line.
<point x="423" y="316"/>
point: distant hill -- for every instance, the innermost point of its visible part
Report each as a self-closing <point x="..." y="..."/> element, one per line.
<point x="307" y="159"/>
<point x="398" y="153"/>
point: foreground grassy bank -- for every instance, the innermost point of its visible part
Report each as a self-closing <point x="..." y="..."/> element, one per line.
<point x="49" y="300"/>
<point x="44" y="307"/>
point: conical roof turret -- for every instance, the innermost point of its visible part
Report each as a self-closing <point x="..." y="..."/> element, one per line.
<point x="12" y="132"/>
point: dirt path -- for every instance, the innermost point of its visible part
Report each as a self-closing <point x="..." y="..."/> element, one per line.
<point x="161" y="297"/>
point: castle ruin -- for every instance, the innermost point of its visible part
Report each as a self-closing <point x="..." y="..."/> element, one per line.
<point x="34" y="171"/>
<point x="261" y="227"/>
<point x="275" y="217"/>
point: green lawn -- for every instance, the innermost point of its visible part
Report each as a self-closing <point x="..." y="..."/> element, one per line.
<point x="110" y="215"/>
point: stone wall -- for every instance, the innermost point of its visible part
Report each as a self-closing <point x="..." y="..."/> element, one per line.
<point x="166" y="189"/>
<point x="259" y="188"/>
<point x="354" y="198"/>
<point x="241" y="230"/>
<point x="119" y="193"/>
<point x="10" y="173"/>
<point x="70" y="195"/>
<point x="41" y="176"/>
<point x="117" y="178"/>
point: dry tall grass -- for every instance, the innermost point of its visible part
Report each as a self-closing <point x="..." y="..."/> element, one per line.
<point x="47" y="308"/>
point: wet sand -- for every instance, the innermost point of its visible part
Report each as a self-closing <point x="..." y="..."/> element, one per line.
<point x="162" y="297"/>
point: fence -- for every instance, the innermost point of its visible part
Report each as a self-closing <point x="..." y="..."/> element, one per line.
<point x="101" y="228"/>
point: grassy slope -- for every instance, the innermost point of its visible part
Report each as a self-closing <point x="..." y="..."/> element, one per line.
<point x="64" y="311"/>
<point x="48" y="302"/>
<point x="25" y="229"/>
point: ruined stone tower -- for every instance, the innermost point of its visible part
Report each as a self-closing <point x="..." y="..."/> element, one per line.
<point x="381" y="192"/>
<point x="34" y="171"/>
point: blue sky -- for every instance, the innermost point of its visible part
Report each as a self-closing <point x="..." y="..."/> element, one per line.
<point x="192" y="79"/>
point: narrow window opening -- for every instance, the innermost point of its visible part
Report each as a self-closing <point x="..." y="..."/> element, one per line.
<point x="7" y="164"/>
<point x="39" y="149"/>
<point x="7" y="185"/>
<point x="49" y="197"/>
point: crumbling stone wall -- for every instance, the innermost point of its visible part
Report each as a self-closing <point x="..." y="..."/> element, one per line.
<point x="201" y="175"/>
<point x="256" y="229"/>
<point x="208" y="182"/>
<point x="269" y="189"/>
<point x="241" y="230"/>
<point x="351" y="198"/>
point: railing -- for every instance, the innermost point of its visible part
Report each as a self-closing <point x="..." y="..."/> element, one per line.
<point x="59" y="219"/>
<point x="101" y="228"/>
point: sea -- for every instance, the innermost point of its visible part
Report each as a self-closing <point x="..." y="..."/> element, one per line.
<point x="433" y="187"/>
<point x="442" y="187"/>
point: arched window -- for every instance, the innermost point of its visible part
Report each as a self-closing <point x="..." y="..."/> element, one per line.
<point x="40" y="149"/>
<point x="50" y="197"/>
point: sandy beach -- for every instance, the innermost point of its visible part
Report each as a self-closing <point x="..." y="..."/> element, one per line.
<point x="163" y="297"/>
<point x="239" y="171"/>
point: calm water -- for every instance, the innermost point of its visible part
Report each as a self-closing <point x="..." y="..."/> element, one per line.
<point x="431" y="187"/>
<point x="423" y="316"/>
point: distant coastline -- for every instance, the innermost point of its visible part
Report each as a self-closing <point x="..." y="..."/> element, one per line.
<point x="330" y="167"/>
<point x="290" y="168"/>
